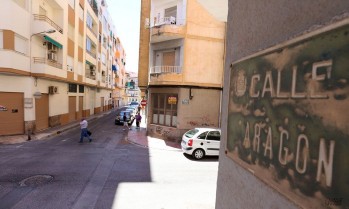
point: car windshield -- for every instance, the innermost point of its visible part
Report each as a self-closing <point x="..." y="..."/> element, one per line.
<point x="191" y="133"/>
<point x="127" y="113"/>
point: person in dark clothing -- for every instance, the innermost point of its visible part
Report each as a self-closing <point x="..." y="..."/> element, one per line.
<point x="138" y="119"/>
<point x="124" y="118"/>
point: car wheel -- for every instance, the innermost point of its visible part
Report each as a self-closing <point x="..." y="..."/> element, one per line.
<point x="198" y="154"/>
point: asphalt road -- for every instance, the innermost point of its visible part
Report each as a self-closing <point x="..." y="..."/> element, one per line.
<point x="109" y="172"/>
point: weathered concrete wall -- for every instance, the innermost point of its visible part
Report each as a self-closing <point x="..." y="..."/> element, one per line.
<point x="254" y="26"/>
<point x="204" y="47"/>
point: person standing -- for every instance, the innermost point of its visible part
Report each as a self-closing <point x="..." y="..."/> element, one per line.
<point x="138" y="119"/>
<point x="124" y="118"/>
<point x="83" y="126"/>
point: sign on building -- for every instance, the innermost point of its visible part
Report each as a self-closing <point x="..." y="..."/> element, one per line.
<point x="288" y="118"/>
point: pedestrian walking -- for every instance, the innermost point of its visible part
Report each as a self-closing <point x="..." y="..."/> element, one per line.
<point x="83" y="126"/>
<point x="124" y="118"/>
<point x="138" y="119"/>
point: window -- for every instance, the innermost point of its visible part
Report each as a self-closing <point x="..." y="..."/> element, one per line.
<point x="20" y="44"/>
<point x="88" y="44"/>
<point x="81" y="89"/>
<point x="103" y="58"/>
<point x="72" y="88"/>
<point x="214" y="135"/>
<point x="89" y="21"/>
<point x="164" y="107"/>
<point x="202" y="135"/>
<point x="105" y="24"/>
<point x="171" y="12"/>
<point x="71" y="32"/>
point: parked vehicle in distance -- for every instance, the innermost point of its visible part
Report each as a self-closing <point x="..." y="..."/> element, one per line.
<point x="200" y="142"/>
<point x="119" y="118"/>
<point x="134" y="104"/>
<point x="132" y="109"/>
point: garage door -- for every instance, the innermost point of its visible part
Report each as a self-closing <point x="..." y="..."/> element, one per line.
<point x="41" y="112"/>
<point x="102" y="104"/>
<point x="72" y="108"/>
<point x="81" y="106"/>
<point x="11" y="113"/>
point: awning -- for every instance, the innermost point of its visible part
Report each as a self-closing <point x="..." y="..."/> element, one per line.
<point x="117" y="54"/>
<point x="47" y="38"/>
<point x="89" y="63"/>
<point x="114" y="68"/>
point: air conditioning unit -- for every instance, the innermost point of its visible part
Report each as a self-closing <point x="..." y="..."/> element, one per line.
<point x="52" y="56"/>
<point x="55" y="89"/>
<point x="51" y="47"/>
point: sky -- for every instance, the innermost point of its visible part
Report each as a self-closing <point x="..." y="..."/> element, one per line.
<point x="126" y="18"/>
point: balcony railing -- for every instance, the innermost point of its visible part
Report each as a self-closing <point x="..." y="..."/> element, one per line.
<point x="91" y="53"/>
<point x="52" y="63"/>
<point x="165" y="21"/>
<point x="92" y="31"/>
<point x="165" y="69"/>
<point x="49" y="21"/>
<point x="91" y="74"/>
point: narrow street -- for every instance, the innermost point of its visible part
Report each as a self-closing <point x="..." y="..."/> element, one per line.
<point x="109" y="172"/>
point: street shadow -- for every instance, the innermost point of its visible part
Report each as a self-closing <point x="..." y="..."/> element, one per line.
<point x="204" y="159"/>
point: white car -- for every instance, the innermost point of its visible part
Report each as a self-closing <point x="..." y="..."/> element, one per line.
<point x="199" y="142"/>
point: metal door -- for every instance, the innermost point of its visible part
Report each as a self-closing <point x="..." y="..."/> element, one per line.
<point x="11" y="113"/>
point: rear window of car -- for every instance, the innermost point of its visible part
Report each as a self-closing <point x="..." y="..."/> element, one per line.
<point x="191" y="133"/>
<point x="127" y="113"/>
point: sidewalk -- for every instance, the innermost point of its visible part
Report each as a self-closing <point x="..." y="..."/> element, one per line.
<point x="48" y="132"/>
<point x="140" y="138"/>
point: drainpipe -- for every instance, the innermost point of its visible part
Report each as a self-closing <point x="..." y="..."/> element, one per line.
<point x="221" y="96"/>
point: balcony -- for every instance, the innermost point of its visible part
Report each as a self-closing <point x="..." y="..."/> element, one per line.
<point x="50" y="62"/>
<point x="165" y="75"/>
<point x="165" y="69"/>
<point x="44" y="18"/>
<point x="94" y="6"/>
<point x="167" y="28"/>
<point x="47" y="67"/>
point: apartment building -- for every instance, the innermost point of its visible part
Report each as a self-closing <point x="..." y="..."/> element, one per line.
<point x="119" y="68"/>
<point x="183" y="47"/>
<point x="56" y="62"/>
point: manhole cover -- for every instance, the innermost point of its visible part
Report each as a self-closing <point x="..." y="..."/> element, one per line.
<point x="36" y="180"/>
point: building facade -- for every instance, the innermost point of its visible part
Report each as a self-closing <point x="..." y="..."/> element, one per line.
<point x="57" y="63"/>
<point x="120" y="75"/>
<point x="184" y="47"/>
<point x="285" y="124"/>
